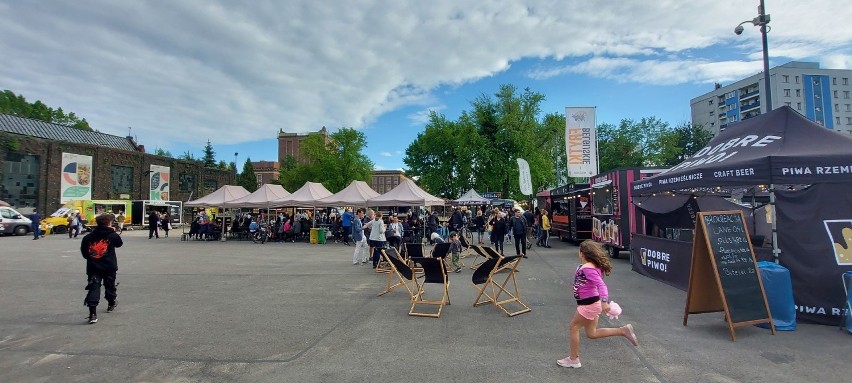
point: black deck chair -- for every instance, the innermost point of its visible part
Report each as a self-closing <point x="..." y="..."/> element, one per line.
<point x="441" y="251"/>
<point x="480" y="252"/>
<point x="399" y="270"/>
<point x="434" y="273"/>
<point x="492" y="253"/>
<point x="482" y="281"/>
<point x="514" y="296"/>
<point x="414" y="250"/>
<point x="466" y="249"/>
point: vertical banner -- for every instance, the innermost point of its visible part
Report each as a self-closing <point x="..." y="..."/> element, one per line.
<point x="581" y="142"/>
<point x="524" y="176"/>
<point x="159" y="183"/>
<point x="76" y="181"/>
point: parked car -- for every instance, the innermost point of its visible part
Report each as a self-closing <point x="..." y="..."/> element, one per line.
<point x="13" y="222"/>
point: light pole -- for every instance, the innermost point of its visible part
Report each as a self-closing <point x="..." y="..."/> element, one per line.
<point x="235" y="167"/>
<point x="762" y="20"/>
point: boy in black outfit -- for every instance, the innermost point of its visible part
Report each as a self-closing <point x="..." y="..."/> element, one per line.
<point x="98" y="248"/>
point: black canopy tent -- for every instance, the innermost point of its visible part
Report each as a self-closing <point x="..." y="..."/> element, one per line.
<point x="781" y="147"/>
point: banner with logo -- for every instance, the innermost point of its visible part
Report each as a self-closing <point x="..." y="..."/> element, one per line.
<point x="524" y="177"/>
<point x="76" y="180"/>
<point x="665" y="260"/>
<point x="815" y="238"/>
<point x="159" y="183"/>
<point x="581" y="142"/>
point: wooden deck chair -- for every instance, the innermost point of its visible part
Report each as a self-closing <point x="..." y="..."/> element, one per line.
<point x="434" y="273"/>
<point x="414" y="250"/>
<point x="481" y="279"/>
<point x="480" y="252"/>
<point x="466" y="248"/>
<point x="400" y="272"/>
<point x="513" y="292"/>
<point x="442" y="251"/>
<point x="383" y="266"/>
<point x="492" y="253"/>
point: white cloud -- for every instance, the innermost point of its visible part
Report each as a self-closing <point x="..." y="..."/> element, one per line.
<point x="196" y="69"/>
<point x="421" y="117"/>
<point x="386" y="154"/>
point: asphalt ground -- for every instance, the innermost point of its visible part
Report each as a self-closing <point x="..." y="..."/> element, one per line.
<point x="242" y="312"/>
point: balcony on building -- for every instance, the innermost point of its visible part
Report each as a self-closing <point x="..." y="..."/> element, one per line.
<point x="750" y="106"/>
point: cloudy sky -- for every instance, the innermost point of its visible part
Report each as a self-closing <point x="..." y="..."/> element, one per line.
<point x="236" y="72"/>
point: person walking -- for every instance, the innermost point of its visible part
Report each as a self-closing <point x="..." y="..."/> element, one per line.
<point x="455" y="250"/>
<point x="544" y="236"/>
<point x="166" y="223"/>
<point x="35" y="219"/>
<point x="119" y="220"/>
<point x="377" y="237"/>
<point x="73" y="224"/>
<point x="479" y="221"/>
<point x="98" y="249"/>
<point x="498" y="231"/>
<point x="394" y="232"/>
<point x="153" y="222"/>
<point x="592" y="297"/>
<point x="518" y="225"/>
<point x="359" y="238"/>
<point x="346" y="223"/>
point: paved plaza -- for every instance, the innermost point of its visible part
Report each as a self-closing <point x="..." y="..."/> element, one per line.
<point x="243" y="312"/>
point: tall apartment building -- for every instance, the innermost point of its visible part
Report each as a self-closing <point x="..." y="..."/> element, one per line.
<point x="383" y="181"/>
<point x="289" y="144"/>
<point x="266" y="171"/>
<point x="822" y="95"/>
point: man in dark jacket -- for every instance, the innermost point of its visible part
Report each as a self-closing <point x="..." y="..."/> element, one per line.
<point x="153" y="222"/>
<point x="518" y="225"/>
<point x="98" y="248"/>
<point x="456" y="221"/>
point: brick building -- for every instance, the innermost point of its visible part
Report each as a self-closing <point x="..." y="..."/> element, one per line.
<point x="266" y="171"/>
<point x="34" y="170"/>
<point x="290" y="144"/>
<point x="382" y="181"/>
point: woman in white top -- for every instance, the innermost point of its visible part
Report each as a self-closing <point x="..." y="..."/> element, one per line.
<point x="377" y="237"/>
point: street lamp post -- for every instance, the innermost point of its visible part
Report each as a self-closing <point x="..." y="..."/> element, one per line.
<point x="235" y="167"/>
<point x="762" y="20"/>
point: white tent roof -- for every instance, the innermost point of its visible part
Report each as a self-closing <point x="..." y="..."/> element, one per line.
<point x="407" y="193"/>
<point x="262" y="197"/>
<point x="219" y="197"/>
<point x="471" y="197"/>
<point x="306" y="196"/>
<point x="356" y="194"/>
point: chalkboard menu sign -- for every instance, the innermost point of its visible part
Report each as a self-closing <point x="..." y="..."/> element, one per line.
<point x="724" y="274"/>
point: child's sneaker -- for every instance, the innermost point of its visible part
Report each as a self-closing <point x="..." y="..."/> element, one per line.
<point x="457" y="270"/>
<point x="628" y="333"/>
<point x="568" y="362"/>
<point x="93" y="318"/>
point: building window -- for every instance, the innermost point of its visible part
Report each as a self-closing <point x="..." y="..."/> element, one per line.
<point x="848" y="107"/>
<point x="845" y="81"/>
<point x="186" y="182"/>
<point x="836" y="107"/>
<point x="845" y="94"/>
<point x="798" y="93"/>
<point x="797" y="79"/>
<point x="786" y="92"/>
<point x="122" y="180"/>
<point x="835" y="94"/>
<point x="799" y="105"/>
<point x="834" y="81"/>
<point x="259" y="179"/>
<point x="210" y="185"/>
<point x="848" y="120"/>
<point x="838" y="120"/>
<point x="786" y="78"/>
<point x="710" y="102"/>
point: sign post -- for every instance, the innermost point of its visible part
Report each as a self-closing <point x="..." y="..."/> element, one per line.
<point x="724" y="274"/>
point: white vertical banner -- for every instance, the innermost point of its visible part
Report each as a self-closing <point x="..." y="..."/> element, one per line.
<point x="524" y="176"/>
<point x="581" y="142"/>
<point x="159" y="183"/>
<point x="76" y="181"/>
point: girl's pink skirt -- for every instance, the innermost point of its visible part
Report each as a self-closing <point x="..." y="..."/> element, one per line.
<point x="591" y="311"/>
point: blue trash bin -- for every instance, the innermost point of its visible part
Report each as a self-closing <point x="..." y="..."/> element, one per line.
<point x="779" y="295"/>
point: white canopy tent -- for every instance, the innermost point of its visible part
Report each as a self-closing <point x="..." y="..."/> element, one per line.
<point x="356" y="194"/>
<point x="471" y="197"/>
<point x="261" y="198"/>
<point x="219" y="197"/>
<point x="306" y="196"/>
<point x="407" y="193"/>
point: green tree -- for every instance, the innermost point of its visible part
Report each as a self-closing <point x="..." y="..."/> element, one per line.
<point x="161" y="152"/>
<point x="334" y="162"/>
<point x="209" y="157"/>
<point x="16" y="105"/>
<point x="247" y="178"/>
<point x="187" y="156"/>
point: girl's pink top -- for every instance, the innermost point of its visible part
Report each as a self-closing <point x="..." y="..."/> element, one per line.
<point x="588" y="283"/>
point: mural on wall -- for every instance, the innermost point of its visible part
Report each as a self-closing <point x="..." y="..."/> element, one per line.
<point x="159" y="183"/>
<point x="76" y="181"/>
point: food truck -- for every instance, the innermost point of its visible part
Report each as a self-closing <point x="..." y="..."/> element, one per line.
<point x="570" y="212"/>
<point x="57" y="222"/>
<point x="141" y="209"/>
<point x="613" y="214"/>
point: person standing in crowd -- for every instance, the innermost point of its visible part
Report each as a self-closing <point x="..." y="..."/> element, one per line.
<point x="433" y="223"/>
<point x="479" y="221"/>
<point x="167" y="223"/>
<point x="544" y="237"/>
<point x="394" y="232"/>
<point x="592" y="297"/>
<point x="73" y="224"/>
<point x="153" y="222"/>
<point x="119" y="220"/>
<point x="518" y="226"/>
<point x="456" y="221"/>
<point x="346" y="222"/>
<point x="498" y="231"/>
<point x="35" y="219"/>
<point x="377" y="237"/>
<point x="455" y="250"/>
<point x="359" y="238"/>
<point x="98" y="248"/>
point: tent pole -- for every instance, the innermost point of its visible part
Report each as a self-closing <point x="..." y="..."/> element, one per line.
<point x="222" y="215"/>
<point x="776" y="253"/>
